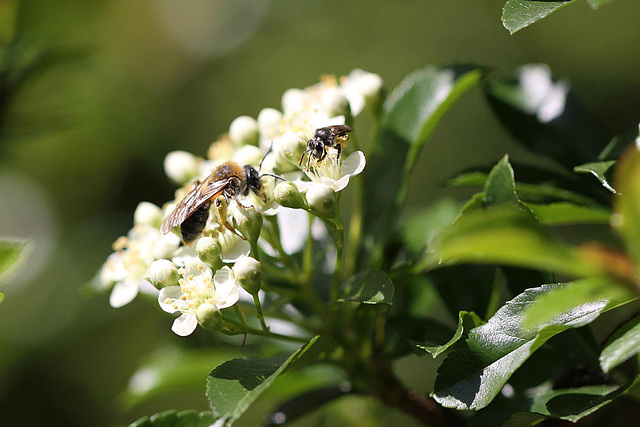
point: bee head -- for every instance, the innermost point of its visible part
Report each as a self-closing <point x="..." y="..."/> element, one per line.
<point x="317" y="148"/>
<point x="253" y="180"/>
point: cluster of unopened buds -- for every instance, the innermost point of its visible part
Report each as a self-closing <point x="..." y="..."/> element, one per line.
<point x="196" y="252"/>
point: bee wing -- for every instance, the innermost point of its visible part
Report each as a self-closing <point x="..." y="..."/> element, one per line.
<point x="340" y="130"/>
<point x="191" y="202"/>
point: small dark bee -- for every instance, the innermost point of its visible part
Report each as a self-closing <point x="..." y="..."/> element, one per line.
<point x="330" y="136"/>
<point x="225" y="183"/>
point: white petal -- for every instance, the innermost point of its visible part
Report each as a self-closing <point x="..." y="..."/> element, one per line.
<point x="294" y="229"/>
<point x="123" y="293"/>
<point x="233" y="248"/>
<point x="170" y="292"/>
<point x="303" y="186"/>
<point x="224" y="281"/>
<point x="354" y="164"/>
<point x="185" y="324"/>
<point x="336" y="186"/>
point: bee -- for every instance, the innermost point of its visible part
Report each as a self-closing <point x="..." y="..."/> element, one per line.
<point x="225" y="183"/>
<point x="330" y="136"/>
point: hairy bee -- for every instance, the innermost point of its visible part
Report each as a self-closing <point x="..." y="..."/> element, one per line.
<point x="330" y="136"/>
<point x="225" y="183"/>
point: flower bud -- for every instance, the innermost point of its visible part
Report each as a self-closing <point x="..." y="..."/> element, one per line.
<point x="287" y="195"/>
<point x="321" y="200"/>
<point x="148" y="214"/>
<point x="208" y="316"/>
<point x="249" y="223"/>
<point x="163" y="273"/>
<point x="288" y="150"/>
<point x="248" y="274"/>
<point x="166" y="246"/>
<point x="268" y="125"/>
<point x="209" y="250"/>
<point x="244" y="131"/>
<point x="248" y="155"/>
<point x="181" y="166"/>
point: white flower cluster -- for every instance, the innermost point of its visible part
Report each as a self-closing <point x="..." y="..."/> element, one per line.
<point x="198" y="280"/>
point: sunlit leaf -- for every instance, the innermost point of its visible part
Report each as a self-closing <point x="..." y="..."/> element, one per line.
<point x="571" y="295"/>
<point x="540" y="112"/>
<point x="563" y="213"/>
<point x="500" y="187"/>
<point x="368" y="287"/>
<point x="174" y="418"/>
<point x="623" y="344"/>
<point x="518" y="14"/>
<point x="506" y="236"/>
<point x="471" y="377"/>
<point x="410" y="115"/>
<point x="600" y="170"/>
<point x="233" y="386"/>
<point x="466" y="321"/>
<point x="10" y="252"/>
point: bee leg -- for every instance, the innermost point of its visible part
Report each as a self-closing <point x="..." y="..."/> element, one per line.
<point x="339" y="148"/>
<point x="221" y="206"/>
<point x="302" y="157"/>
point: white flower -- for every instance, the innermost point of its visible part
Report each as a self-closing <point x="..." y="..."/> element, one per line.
<point x="198" y="286"/>
<point x="334" y="173"/>
<point x="125" y="271"/>
<point x="362" y="89"/>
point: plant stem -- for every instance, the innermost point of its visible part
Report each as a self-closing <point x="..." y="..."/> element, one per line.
<point x="256" y="301"/>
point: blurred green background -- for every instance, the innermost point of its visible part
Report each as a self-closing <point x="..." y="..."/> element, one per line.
<point x="94" y="94"/>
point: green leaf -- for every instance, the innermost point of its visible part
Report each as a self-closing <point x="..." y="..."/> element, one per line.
<point x="233" y="386"/>
<point x="623" y="344"/>
<point x="368" y="287"/>
<point x="10" y="253"/>
<point x="410" y="115"/>
<point x="506" y="236"/>
<point x="540" y="112"/>
<point x="466" y="320"/>
<point x="573" y="404"/>
<point x="569" y="213"/>
<point x="627" y="204"/>
<point x="1" y="297"/>
<point x="518" y="14"/>
<point x="500" y="187"/>
<point x="169" y="369"/>
<point x="305" y="403"/>
<point x="571" y="295"/>
<point x="471" y="377"/>
<point x="534" y="192"/>
<point x="174" y="418"/>
<point x="599" y="170"/>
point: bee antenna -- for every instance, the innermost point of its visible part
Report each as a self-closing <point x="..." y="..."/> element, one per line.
<point x="265" y="155"/>
<point x="273" y="175"/>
